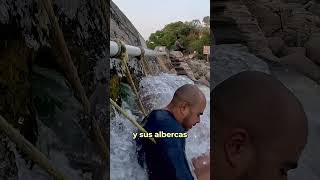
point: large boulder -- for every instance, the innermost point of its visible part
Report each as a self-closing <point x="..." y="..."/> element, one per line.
<point x="292" y="50"/>
<point x="230" y="59"/>
<point x="39" y="102"/>
<point x="235" y="24"/>
<point x="277" y="45"/>
<point x="303" y="65"/>
<point x="176" y="54"/>
<point x="313" y="48"/>
<point x="314" y="8"/>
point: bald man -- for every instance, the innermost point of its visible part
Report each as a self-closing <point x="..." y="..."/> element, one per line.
<point x="166" y="159"/>
<point x="259" y="128"/>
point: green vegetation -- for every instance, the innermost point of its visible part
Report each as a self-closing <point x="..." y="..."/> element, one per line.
<point x="193" y="35"/>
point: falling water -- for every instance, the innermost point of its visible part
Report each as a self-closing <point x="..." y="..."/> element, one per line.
<point x="155" y="92"/>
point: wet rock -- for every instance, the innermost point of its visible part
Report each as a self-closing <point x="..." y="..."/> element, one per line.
<point x="8" y="166"/>
<point x="58" y="112"/>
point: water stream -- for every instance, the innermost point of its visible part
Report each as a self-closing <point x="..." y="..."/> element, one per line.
<point x="156" y="92"/>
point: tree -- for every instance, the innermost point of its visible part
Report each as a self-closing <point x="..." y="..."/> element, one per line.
<point x="192" y="35"/>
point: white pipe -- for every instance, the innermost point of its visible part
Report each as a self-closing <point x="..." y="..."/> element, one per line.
<point x="132" y="50"/>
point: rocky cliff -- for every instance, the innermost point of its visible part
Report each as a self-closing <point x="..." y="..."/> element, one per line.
<point x="121" y="29"/>
<point x="36" y="95"/>
<point x="285" y="31"/>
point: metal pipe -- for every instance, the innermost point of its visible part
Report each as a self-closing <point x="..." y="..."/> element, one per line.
<point x="133" y="50"/>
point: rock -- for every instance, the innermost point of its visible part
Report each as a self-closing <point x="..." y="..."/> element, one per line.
<point x="315" y="9"/>
<point x="268" y="20"/>
<point x="164" y="63"/>
<point x="313" y="48"/>
<point x="193" y="55"/>
<point x="302" y="64"/>
<point x="122" y="28"/>
<point x="277" y="45"/>
<point x="230" y="59"/>
<point x="53" y="109"/>
<point x="198" y="67"/>
<point x="292" y="50"/>
<point x="235" y="24"/>
<point x="208" y="76"/>
<point x="172" y="71"/>
<point x="226" y="31"/>
<point x="204" y="81"/>
<point x="161" y="48"/>
<point x="196" y="75"/>
<point x="7" y="157"/>
<point x="176" y="54"/>
<point x="296" y="1"/>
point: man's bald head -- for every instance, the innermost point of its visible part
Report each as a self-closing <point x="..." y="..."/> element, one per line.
<point x="189" y="93"/>
<point x="187" y="104"/>
<point x="255" y="107"/>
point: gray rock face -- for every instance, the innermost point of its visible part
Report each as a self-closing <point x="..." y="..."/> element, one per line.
<point x="7" y="160"/>
<point x="25" y="29"/>
<point x="234" y="24"/>
<point x="313" y="48"/>
<point x="315" y="9"/>
<point x="248" y="23"/>
<point x="230" y="59"/>
<point x="199" y="68"/>
<point x="288" y="20"/>
<point x="303" y="64"/>
<point x="121" y="28"/>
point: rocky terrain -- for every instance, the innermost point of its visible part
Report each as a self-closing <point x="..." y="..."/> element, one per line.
<point x="280" y="31"/>
<point x="38" y="96"/>
<point x="280" y="38"/>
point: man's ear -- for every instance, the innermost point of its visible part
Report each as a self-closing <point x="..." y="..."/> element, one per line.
<point x="183" y="107"/>
<point x="238" y="148"/>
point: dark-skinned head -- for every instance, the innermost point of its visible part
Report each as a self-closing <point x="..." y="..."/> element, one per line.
<point x="259" y="128"/>
<point x="187" y="105"/>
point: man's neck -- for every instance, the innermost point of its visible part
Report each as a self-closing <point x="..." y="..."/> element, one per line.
<point x="173" y="111"/>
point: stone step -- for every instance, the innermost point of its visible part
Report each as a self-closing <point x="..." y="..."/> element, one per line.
<point x="176" y="63"/>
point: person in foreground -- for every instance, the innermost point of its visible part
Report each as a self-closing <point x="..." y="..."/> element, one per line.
<point x="259" y="128"/>
<point x="166" y="159"/>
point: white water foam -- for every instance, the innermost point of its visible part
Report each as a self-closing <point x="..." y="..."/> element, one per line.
<point x="156" y="92"/>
